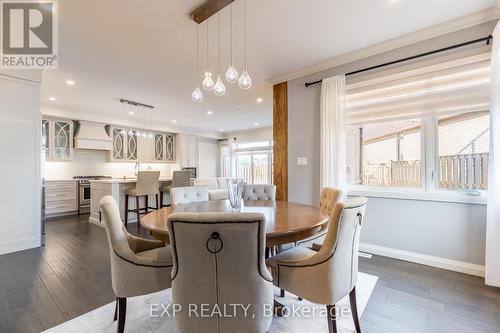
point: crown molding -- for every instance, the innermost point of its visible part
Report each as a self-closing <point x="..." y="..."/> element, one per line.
<point x="409" y="39"/>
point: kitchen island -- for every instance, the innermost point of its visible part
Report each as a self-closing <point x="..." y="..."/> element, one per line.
<point x="116" y="187"/>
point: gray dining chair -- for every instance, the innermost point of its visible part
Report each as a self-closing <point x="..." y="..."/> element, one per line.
<point x="259" y="192"/>
<point x="184" y="195"/>
<point x="328" y="275"/>
<point x="179" y="179"/>
<point x="219" y="259"/>
<point x="138" y="266"/>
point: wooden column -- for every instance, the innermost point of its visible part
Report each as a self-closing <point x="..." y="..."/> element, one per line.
<point x="280" y="136"/>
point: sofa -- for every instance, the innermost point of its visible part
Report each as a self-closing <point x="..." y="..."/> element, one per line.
<point x="217" y="187"/>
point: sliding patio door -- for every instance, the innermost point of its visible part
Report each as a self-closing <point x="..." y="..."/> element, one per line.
<point x="254" y="167"/>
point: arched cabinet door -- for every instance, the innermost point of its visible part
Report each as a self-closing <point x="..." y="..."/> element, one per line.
<point x="125" y="147"/>
<point x="57" y="139"/>
<point x="164" y="147"/>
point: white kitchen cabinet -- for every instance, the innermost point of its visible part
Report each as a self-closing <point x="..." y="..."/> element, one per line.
<point x="125" y="145"/>
<point x="61" y="198"/>
<point x="163" y="147"/>
<point x="188" y="150"/>
<point x="57" y="139"/>
<point x="131" y="146"/>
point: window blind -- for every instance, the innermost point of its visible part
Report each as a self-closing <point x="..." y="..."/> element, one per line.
<point x="453" y="83"/>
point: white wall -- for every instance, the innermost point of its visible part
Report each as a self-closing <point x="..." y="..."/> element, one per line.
<point x="20" y="180"/>
<point x="208" y="158"/>
<point x="444" y="230"/>
<point x="252" y="135"/>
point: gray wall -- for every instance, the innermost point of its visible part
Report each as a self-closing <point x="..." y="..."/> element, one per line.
<point x="415" y="226"/>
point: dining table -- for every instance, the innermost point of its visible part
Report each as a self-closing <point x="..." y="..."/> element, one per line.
<point x="286" y="222"/>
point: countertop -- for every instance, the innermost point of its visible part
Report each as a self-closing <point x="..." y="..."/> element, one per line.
<point x="128" y="180"/>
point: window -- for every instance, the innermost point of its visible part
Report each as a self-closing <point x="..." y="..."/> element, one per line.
<point x="254" y="167"/>
<point x="423" y="125"/>
<point x="250" y="161"/>
<point x="389" y="154"/>
<point x="463" y="151"/>
<point x="225" y="161"/>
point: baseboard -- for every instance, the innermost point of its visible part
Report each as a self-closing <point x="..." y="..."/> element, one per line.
<point x="493" y="283"/>
<point x="19" y="245"/>
<point x="418" y="258"/>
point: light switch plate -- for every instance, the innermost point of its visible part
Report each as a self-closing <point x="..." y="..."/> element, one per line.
<point x="301" y="161"/>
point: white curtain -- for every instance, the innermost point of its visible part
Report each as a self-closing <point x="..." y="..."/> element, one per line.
<point x="493" y="225"/>
<point x="333" y="165"/>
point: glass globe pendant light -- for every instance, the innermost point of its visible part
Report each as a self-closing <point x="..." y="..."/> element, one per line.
<point x="231" y="73"/>
<point x="197" y="94"/>
<point x="245" y="81"/>
<point x="208" y="82"/>
<point x="219" y="88"/>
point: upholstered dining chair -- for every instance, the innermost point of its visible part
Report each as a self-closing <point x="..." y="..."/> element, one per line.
<point x="138" y="266"/>
<point x="326" y="276"/>
<point x="327" y="200"/>
<point x="259" y="192"/>
<point x="219" y="261"/>
<point x="179" y="179"/>
<point x="147" y="184"/>
<point x="329" y="197"/>
<point x="184" y="195"/>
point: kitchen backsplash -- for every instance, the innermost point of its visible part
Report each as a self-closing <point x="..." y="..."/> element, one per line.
<point x="95" y="163"/>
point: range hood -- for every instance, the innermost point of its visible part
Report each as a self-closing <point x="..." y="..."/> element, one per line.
<point x="90" y="135"/>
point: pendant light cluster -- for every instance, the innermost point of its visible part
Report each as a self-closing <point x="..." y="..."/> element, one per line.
<point x="232" y="76"/>
<point x="139" y="110"/>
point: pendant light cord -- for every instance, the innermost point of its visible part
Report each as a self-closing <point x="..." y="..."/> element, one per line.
<point x="208" y="62"/>
<point x="245" y="31"/>
<point x="220" y="41"/>
<point x="197" y="51"/>
<point x="231" y="33"/>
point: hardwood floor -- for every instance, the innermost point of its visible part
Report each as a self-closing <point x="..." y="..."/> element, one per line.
<point x="44" y="287"/>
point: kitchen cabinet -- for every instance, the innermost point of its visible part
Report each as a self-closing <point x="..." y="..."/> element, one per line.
<point x="57" y="139"/>
<point x="163" y="147"/>
<point x="125" y="145"/>
<point x="131" y="146"/>
<point x="188" y="150"/>
<point x="61" y="198"/>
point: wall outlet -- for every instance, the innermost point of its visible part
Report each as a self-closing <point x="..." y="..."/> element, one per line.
<point x="301" y="161"/>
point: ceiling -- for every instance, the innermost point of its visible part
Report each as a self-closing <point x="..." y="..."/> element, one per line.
<point x="124" y="49"/>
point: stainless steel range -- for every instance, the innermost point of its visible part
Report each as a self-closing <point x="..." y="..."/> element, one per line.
<point x="84" y="193"/>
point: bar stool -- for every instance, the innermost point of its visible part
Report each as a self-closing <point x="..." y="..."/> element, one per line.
<point x="147" y="184"/>
<point x="179" y="179"/>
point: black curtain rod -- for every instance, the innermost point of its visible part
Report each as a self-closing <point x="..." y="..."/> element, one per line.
<point x="480" y="40"/>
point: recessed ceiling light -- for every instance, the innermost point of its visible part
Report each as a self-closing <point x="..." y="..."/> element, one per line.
<point x="52" y="99"/>
<point x="209" y="112"/>
<point x="131" y="113"/>
<point x="174" y="121"/>
<point x="221" y="130"/>
<point x="259" y="100"/>
<point x="70" y="82"/>
<point x="392" y="1"/>
<point x="256" y="124"/>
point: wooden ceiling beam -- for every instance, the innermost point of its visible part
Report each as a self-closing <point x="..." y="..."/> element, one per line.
<point x="208" y="9"/>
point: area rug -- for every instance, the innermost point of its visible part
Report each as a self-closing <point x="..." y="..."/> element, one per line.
<point x="139" y="318"/>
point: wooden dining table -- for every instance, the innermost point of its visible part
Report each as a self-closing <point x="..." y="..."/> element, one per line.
<point x="286" y="222"/>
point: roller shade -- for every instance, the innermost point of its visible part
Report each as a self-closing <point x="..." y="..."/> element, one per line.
<point x="453" y="83"/>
